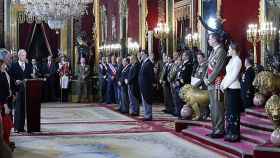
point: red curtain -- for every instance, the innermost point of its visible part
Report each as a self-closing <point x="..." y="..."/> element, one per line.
<point x="26" y="33"/>
<point x="52" y="37"/>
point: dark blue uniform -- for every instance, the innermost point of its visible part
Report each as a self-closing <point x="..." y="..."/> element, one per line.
<point x="247" y="89"/>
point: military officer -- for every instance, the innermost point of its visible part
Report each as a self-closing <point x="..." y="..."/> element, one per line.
<point x="183" y="77"/>
<point x="166" y="85"/>
<point x="199" y="76"/>
<point x="247" y="89"/>
<point x="215" y="73"/>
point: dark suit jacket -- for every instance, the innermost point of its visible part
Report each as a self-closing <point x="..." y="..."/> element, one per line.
<point x="124" y="75"/>
<point x="111" y="74"/>
<point x="119" y="72"/>
<point x="18" y="74"/>
<point x="247" y="89"/>
<point x="103" y="68"/>
<point x="49" y="71"/>
<point x="186" y="73"/>
<point x="146" y="78"/>
<point x="164" y="74"/>
<point x="4" y="92"/>
<point x="133" y="79"/>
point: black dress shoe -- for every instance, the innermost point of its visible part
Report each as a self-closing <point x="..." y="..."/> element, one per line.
<point x="166" y="111"/>
<point x="227" y="137"/>
<point x="20" y="131"/>
<point x="217" y="135"/>
<point x="232" y="138"/>
<point x="124" y="112"/>
<point x="209" y="134"/>
<point x="147" y="119"/>
<point x="134" y="114"/>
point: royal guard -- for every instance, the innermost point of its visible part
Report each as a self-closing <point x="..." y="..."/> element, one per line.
<point x="64" y="74"/>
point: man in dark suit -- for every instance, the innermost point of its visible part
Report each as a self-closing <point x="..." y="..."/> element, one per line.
<point x="247" y="89"/>
<point x="49" y="71"/>
<point x="146" y="78"/>
<point x="35" y="69"/>
<point x="123" y="83"/>
<point x="111" y="94"/>
<point x="103" y="68"/>
<point x="133" y="85"/>
<point x="118" y="93"/>
<point x="20" y="71"/>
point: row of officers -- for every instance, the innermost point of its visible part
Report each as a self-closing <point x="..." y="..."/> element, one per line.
<point x="130" y="81"/>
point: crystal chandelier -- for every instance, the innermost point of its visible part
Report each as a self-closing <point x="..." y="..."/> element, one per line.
<point x="54" y="10"/>
<point x="56" y="24"/>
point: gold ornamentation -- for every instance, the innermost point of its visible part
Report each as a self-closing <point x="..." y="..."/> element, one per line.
<point x="198" y="99"/>
<point x="267" y="82"/>
<point x="272" y="108"/>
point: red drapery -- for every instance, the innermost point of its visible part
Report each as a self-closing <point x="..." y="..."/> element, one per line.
<point x="27" y="31"/>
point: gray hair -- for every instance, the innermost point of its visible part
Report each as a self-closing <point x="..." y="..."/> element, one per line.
<point x="21" y="51"/>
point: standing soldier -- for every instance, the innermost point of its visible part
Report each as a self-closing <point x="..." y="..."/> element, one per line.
<point x="166" y="86"/>
<point x="83" y="73"/>
<point x="183" y="77"/>
<point x="216" y="63"/>
<point x="172" y="80"/>
<point x="199" y="76"/>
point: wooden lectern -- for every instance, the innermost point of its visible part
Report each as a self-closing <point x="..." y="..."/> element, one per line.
<point x="33" y="95"/>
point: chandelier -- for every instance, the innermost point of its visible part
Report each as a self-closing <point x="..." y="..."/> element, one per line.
<point x="56" y="24"/>
<point x="54" y="10"/>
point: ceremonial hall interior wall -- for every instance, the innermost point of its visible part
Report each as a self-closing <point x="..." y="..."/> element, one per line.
<point x="238" y="14"/>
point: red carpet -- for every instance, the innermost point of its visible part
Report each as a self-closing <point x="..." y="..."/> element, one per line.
<point x="255" y="132"/>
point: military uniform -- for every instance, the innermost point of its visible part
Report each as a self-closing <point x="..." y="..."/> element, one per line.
<point x="166" y="87"/>
<point x="103" y="68"/>
<point x="247" y="89"/>
<point x="183" y="77"/>
<point x="215" y="73"/>
<point x="83" y="73"/>
<point x="171" y="78"/>
<point x="199" y="74"/>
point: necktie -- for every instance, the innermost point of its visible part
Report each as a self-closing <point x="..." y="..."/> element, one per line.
<point x="22" y="66"/>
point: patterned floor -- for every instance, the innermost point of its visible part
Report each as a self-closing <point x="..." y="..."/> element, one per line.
<point x="97" y="131"/>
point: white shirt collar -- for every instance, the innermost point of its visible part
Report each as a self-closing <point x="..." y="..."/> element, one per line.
<point x="21" y="63"/>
